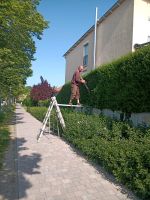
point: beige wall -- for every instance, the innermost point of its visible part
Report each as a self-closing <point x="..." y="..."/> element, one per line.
<point x="114" y="34"/>
<point x="75" y="57"/>
<point x="141" y="24"/>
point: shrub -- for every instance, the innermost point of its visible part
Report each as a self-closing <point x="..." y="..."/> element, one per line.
<point x="44" y="103"/>
<point x="29" y="102"/>
<point x="38" y="112"/>
<point x="121" y="85"/>
<point x="123" y="150"/>
<point x="2" y="116"/>
<point x="41" y="91"/>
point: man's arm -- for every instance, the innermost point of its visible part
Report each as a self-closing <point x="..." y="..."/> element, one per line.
<point x="78" y="78"/>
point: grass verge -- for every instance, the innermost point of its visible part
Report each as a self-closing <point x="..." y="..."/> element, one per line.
<point x="5" y="117"/>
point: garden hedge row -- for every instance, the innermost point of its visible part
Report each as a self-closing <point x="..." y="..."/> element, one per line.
<point x="121" y="149"/>
<point x="37" y="112"/>
<point x="121" y="85"/>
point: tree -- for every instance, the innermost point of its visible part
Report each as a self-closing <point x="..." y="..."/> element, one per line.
<point x="41" y="91"/>
<point x="24" y="93"/>
<point x="20" y="23"/>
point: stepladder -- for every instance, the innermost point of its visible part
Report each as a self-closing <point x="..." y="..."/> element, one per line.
<point x="46" y="121"/>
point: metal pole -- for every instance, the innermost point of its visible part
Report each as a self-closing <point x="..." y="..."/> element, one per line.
<point x="49" y="128"/>
<point x="95" y="38"/>
<point x="58" y="128"/>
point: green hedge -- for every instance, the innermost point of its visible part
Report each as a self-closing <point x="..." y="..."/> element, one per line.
<point x="121" y="149"/>
<point x="121" y="85"/>
<point x="37" y="112"/>
<point x="29" y="102"/>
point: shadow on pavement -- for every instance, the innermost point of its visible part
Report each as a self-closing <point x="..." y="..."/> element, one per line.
<point x="18" y="118"/>
<point x="100" y="170"/>
<point x="17" y="167"/>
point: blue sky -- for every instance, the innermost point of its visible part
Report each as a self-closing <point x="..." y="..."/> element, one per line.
<point x="69" y="20"/>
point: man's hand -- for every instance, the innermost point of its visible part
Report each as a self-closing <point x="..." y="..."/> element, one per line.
<point x="82" y="81"/>
<point x="84" y="69"/>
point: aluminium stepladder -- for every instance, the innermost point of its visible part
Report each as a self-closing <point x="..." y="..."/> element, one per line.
<point x="53" y="103"/>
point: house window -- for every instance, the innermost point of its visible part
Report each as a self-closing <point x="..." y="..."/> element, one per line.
<point x="85" y="55"/>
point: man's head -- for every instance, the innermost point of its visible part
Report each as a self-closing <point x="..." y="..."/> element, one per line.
<point x="80" y="68"/>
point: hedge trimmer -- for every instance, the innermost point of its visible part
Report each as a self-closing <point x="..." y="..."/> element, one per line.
<point x="85" y="84"/>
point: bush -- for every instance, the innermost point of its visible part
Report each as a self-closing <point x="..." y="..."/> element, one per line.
<point x="29" y="102"/>
<point x="121" y="85"/>
<point x="2" y="116"/>
<point x="44" y="103"/>
<point x="37" y="112"/>
<point x="123" y="150"/>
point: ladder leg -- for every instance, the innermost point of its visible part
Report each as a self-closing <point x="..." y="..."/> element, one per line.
<point x="49" y="128"/>
<point x="59" y="114"/>
<point x="47" y="113"/>
<point x="45" y="122"/>
<point x="47" y="116"/>
<point x="58" y="128"/>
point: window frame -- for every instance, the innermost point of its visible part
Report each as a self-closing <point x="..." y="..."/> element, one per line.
<point x="85" y="53"/>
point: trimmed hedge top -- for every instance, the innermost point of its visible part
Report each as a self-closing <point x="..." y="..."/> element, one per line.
<point x="121" y="85"/>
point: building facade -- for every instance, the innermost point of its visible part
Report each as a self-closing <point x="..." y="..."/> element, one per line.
<point x="125" y="24"/>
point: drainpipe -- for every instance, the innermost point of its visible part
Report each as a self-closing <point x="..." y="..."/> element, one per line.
<point x="95" y="37"/>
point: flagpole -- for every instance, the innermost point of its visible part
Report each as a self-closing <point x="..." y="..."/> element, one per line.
<point x="95" y="38"/>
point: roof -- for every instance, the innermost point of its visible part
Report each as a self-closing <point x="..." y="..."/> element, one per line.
<point x="116" y="5"/>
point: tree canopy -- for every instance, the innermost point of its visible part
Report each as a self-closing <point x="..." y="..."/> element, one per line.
<point x="20" y="24"/>
<point x="41" y="91"/>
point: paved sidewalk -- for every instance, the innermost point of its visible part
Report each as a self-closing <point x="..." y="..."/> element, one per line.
<point x="51" y="170"/>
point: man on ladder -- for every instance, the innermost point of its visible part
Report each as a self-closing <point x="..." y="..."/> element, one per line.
<point x="75" y="82"/>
